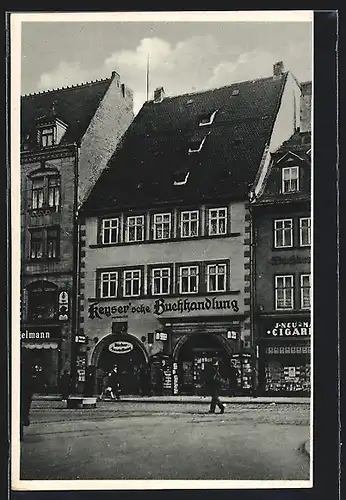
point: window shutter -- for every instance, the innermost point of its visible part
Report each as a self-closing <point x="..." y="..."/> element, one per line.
<point x="99" y="231"/>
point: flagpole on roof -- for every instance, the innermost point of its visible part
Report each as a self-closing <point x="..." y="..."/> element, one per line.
<point x="148" y="78"/>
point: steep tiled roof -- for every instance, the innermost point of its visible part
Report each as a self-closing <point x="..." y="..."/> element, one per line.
<point x="75" y="106"/>
<point x="142" y="170"/>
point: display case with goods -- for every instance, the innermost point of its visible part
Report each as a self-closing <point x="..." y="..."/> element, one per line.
<point x="243" y="363"/>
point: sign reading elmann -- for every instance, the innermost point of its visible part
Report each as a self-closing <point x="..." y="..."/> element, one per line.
<point x="161" y="306"/>
<point x="40" y="333"/>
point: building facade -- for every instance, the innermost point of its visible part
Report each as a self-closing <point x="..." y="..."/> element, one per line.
<point x="281" y="217"/>
<point x="67" y="136"/>
<point x="166" y="237"/>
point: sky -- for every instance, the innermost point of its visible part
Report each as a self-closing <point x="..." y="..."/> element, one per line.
<point x="184" y="56"/>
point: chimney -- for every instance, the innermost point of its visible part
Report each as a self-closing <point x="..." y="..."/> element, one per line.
<point x="278" y="70"/>
<point x="305" y="106"/>
<point x="159" y="94"/>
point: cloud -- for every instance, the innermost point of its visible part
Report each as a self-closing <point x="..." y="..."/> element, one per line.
<point x="194" y="64"/>
<point x="64" y="75"/>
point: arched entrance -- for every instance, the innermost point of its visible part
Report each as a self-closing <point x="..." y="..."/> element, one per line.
<point x="127" y="353"/>
<point x="195" y="354"/>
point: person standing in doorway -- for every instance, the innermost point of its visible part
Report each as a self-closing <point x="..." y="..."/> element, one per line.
<point x="114" y="382"/>
<point x="65" y="385"/>
<point x="214" y="384"/>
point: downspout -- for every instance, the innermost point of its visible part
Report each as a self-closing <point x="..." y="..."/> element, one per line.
<point x="253" y="316"/>
<point x="75" y="277"/>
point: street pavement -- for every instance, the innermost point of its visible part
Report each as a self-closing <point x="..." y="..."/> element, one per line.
<point x="136" y="440"/>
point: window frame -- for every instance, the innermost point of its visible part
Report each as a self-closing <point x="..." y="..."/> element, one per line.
<point x="283" y="180"/>
<point x="136" y="226"/>
<point x="301" y="228"/>
<point x="225" y="274"/>
<point x="139" y="279"/>
<point x="155" y="224"/>
<point x="161" y="268"/>
<point x="102" y="230"/>
<point x="284" y="230"/>
<point x="45" y="239"/>
<point x="44" y="190"/>
<point x="302" y="288"/>
<point x="182" y="266"/>
<point x="101" y="283"/>
<point x="189" y="222"/>
<point x="218" y="218"/>
<point x="42" y="131"/>
<point x="276" y="289"/>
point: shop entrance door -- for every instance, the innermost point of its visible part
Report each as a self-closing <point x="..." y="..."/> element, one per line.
<point x="195" y="360"/>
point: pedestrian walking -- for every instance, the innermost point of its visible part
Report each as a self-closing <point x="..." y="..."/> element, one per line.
<point x="26" y="392"/>
<point x="65" y="385"/>
<point x="214" y="386"/>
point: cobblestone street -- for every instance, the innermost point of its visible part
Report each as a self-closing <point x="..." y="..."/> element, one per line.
<point x="124" y="440"/>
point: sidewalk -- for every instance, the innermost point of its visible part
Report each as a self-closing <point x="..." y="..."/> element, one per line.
<point x="194" y="399"/>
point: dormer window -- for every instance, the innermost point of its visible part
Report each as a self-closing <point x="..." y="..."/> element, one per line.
<point x="46" y="137"/>
<point x="196" y="146"/>
<point x="290" y="179"/>
<point x="207" y="119"/>
<point x="180" y="178"/>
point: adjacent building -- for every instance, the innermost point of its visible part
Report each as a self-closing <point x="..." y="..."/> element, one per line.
<point x="165" y="236"/>
<point x="67" y="137"/>
<point x="281" y="269"/>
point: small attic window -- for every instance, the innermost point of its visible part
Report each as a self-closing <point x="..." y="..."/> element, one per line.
<point x="180" y="178"/>
<point x="196" y="146"/>
<point x="190" y="101"/>
<point x="207" y="119"/>
<point x="235" y="92"/>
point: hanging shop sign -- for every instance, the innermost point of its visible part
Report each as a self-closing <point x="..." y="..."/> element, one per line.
<point x="289" y="329"/>
<point x="120" y="347"/>
<point x="161" y="306"/>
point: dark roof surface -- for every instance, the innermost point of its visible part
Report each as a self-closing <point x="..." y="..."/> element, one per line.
<point x="75" y="106"/>
<point x="142" y="170"/>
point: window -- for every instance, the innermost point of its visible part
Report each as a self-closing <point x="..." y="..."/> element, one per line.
<point x="135" y="228"/>
<point x="305" y="231"/>
<point x="37" y="193"/>
<point x="217" y="221"/>
<point x="283" y="233"/>
<point x="216" y="278"/>
<point x="196" y="146"/>
<point x="283" y="292"/>
<point x="290" y="179"/>
<point x="132" y="283"/>
<point x="189" y="223"/>
<point x="53" y="191"/>
<point x="207" y="119"/>
<point x="180" y="178"/>
<point x="188" y="279"/>
<point x="162" y="226"/>
<point x="161" y="281"/>
<point x="46" y="137"/>
<point x="44" y="243"/>
<point x="52" y="243"/>
<point x="37" y="244"/>
<point x="42" y="301"/>
<point x="305" y="291"/>
<point x="110" y="231"/>
<point x="109" y="284"/>
<point x="46" y="192"/>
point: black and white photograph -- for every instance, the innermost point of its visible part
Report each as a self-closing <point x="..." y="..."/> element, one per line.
<point x="162" y="328"/>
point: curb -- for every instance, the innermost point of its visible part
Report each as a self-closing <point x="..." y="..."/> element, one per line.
<point x="191" y="400"/>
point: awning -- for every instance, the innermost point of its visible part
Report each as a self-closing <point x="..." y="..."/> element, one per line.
<point x="40" y="345"/>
